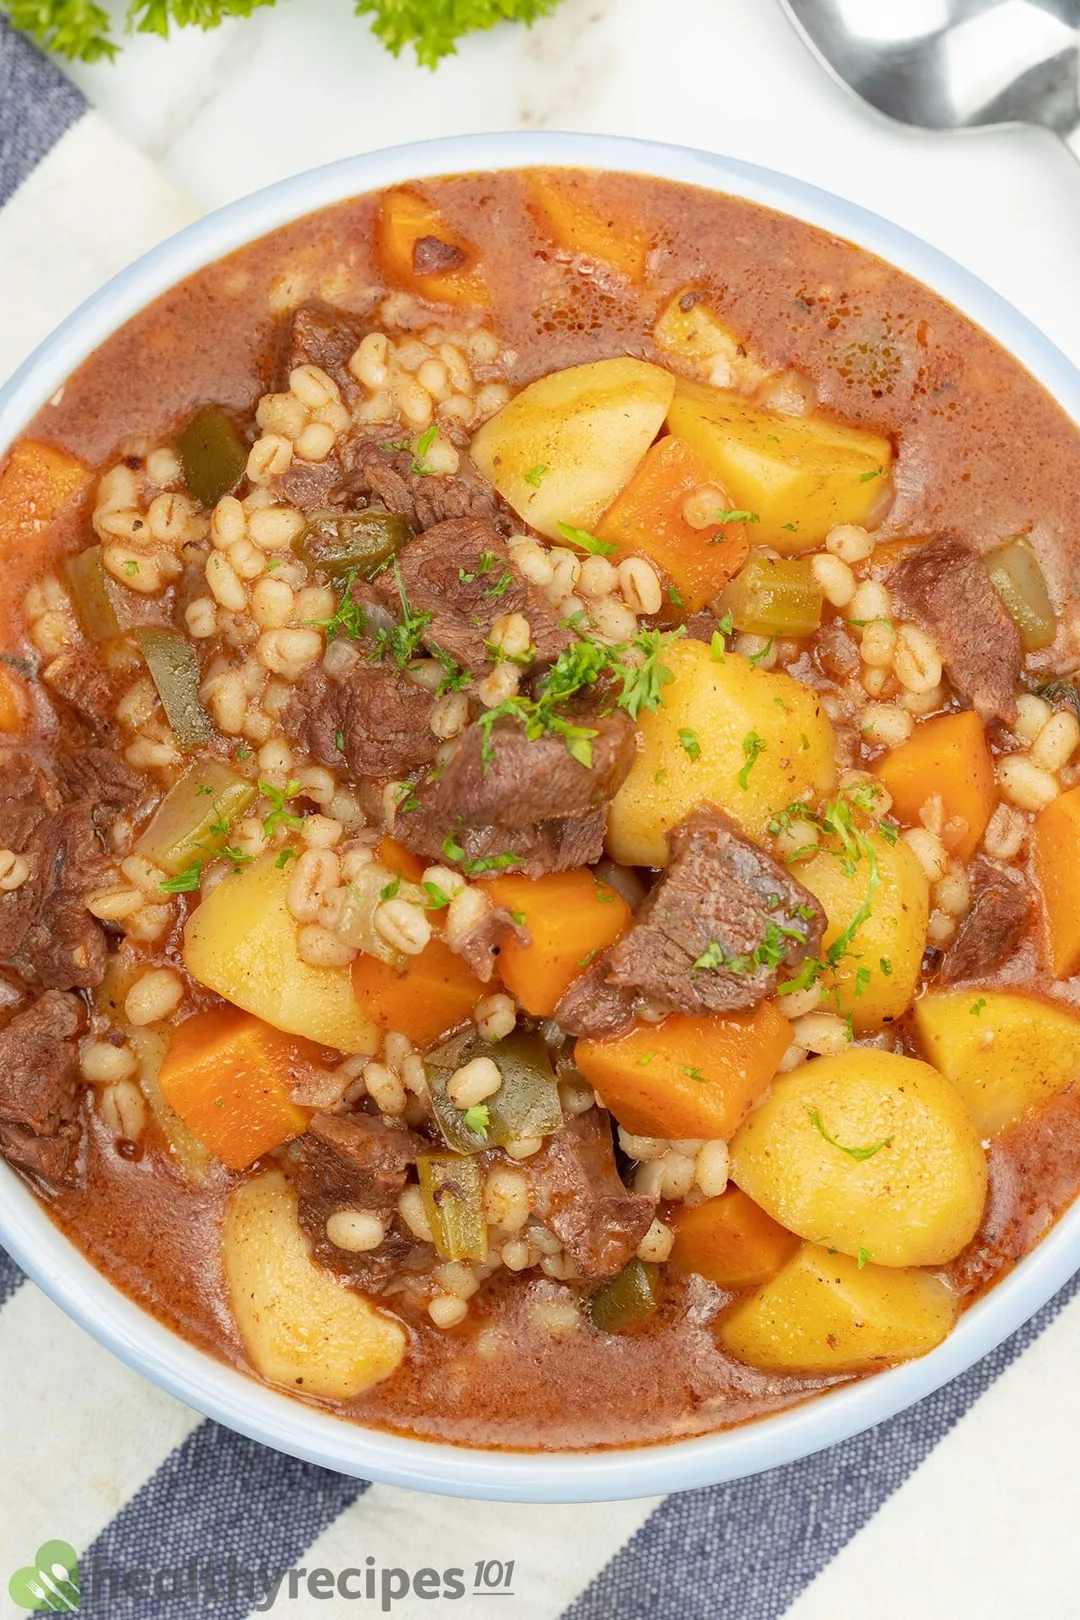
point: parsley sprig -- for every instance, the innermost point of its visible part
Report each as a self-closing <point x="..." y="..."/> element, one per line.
<point x="82" y="30"/>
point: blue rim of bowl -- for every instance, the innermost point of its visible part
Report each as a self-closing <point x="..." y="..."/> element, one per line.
<point x="230" y="1396"/>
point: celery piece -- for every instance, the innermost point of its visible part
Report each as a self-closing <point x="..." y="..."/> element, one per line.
<point x="99" y="600"/>
<point x="1019" y="581"/>
<point x="526" y="1104"/>
<point x="213" y="453"/>
<point x="194" y="820"/>
<point x="362" y="543"/>
<point x="174" y="665"/>
<point x="625" y="1301"/>
<point x="355" y="921"/>
<point x="774" y="596"/>
<point x="453" y="1197"/>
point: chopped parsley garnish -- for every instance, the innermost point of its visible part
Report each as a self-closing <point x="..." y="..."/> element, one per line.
<point x="755" y="658"/>
<point x="204" y="787"/>
<point x="501" y="586"/>
<point x="753" y="747"/>
<point x="886" y="966"/>
<point x="243" y="752"/>
<point x="131" y="568"/>
<point x="862" y="981"/>
<point x="390" y="889"/>
<point x="691" y="745"/>
<point x="674" y="596"/>
<point x="645" y="1058"/>
<point x="978" y="1006"/>
<point x="478" y="1118"/>
<point x="643" y="684"/>
<point x="288" y="854"/>
<point x="857" y="1153"/>
<point x="453" y="851"/>
<point x="588" y="542"/>
<point x="185" y="882"/>
<point x="606" y="896"/>
<point x="877" y="472"/>
<point x="237" y="857"/>
<point x="736" y="515"/>
<point x="718" y="647"/>
<point x="590" y="956"/>
<point x="339" y="741"/>
<point x="535" y="474"/>
<point x="279" y="816"/>
<point x="437" y="897"/>
<point x="518" y="917"/>
<point x="349" y="618"/>
<point x="694" y="1074"/>
<point x="792" y="528"/>
<point x="421" y="448"/>
<point x="405" y="638"/>
<point x="865" y="1256"/>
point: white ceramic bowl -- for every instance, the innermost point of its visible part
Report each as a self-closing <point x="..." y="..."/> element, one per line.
<point x="275" y="1419"/>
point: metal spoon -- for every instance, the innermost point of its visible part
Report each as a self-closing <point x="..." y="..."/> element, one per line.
<point x="953" y="64"/>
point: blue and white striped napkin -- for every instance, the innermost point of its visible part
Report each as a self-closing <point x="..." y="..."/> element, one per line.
<point x="967" y="1503"/>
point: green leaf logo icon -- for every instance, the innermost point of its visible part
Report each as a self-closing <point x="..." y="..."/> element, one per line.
<point x="51" y="1583"/>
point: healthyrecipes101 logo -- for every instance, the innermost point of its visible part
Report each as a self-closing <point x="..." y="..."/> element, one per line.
<point x="51" y="1582"/>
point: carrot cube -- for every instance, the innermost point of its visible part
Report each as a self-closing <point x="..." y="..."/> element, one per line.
<point x="579" y="226"/>
<point x="647" y="517"/>
<point x="228" y="1076"/>
<point x="687" y="1077"/>
<point x="405" y="219"/>
<point x="1056" y="861"/>
<point x="947" y="756"/>
<point x="731" y="1241"/>
<point x="432" y="996"/>
<point x="571" y="917"/>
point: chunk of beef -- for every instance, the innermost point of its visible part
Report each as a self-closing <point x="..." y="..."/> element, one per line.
<point x="39" y="1088"/>
<point x="422" y="499"/>
<point x="500" y="777"/>
<point x="545" y="846"/>
<point x="531" y="808"/>
<point x="46" y="933"/>
<point x="945" y="586"/>
<point x="317" y="334"/>
<point x="996" y="925"/>
<point x="481" y="945"/>
<point x="594" y="1007"/>
<point x="27" y="798"/>
<point x="461" y="573"/>
<point x="370" y="722"/>
<point x="355" y="1161"/>
<point x="82" y="683"/>
<point x="721" y="926"/>
<point x="578" y="1194"/>
<point x="105" y="780"/>
<point x="431" y="256"/>
<point x="365" y="472"/>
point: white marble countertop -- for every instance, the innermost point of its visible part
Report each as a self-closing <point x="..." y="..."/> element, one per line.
<point x="304" y="82"/>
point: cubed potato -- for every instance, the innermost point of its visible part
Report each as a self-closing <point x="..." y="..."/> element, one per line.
<point x="800" y="475"/>
<point x="563" y="448"/>
<point x="824" y="1313"/>
<point x="871" y="1153"/>
<point x="877" y="966"/>
<point x="567" y="210"/>
<point x="764" y="740"/>
<point x="243" y="942"/>
<point x="299" y="1325"/>
<point x="1004" y="1053"/>
<point x="699" y="338"/>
